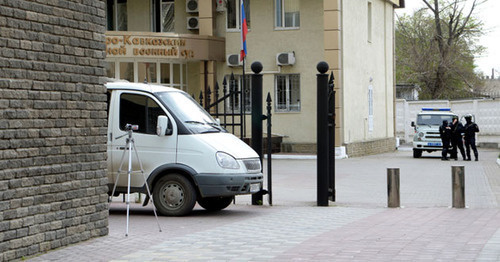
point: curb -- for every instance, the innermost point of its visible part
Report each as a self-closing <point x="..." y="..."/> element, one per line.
<point x="299" y="157"/>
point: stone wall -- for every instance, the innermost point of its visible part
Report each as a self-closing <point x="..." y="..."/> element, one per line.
<point x="53" y="181"/>
<point x="371" y="147"/>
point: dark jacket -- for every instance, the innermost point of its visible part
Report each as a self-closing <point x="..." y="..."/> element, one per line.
<point x="470" y="129"/>
<point x="456" y="130"/>
<point x="444" y="132"/>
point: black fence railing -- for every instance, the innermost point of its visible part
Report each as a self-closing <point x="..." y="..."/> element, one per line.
<point x="227" y="106"/>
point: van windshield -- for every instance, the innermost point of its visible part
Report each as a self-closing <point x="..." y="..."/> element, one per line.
<point x="433" y="120"/>
<point x="190" y="113"/>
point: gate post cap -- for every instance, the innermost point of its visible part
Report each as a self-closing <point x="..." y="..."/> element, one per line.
<point x="256" y="67"/>
<point x="322" y="67"/>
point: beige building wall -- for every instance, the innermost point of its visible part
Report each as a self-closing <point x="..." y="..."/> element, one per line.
<point x="335" y="31"/>
<point x="139" y="19"/>
<point x="367" y="61"/>
<point x="333" y="54"/>
<point x="263" y="43"/>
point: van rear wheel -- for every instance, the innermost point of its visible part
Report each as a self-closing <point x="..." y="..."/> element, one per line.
<point x="174" y="195"/>
<point x="215" y="203"/>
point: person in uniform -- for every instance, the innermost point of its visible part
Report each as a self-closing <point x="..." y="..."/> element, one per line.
<point x="445" y="134"/>
<point x="470" y="130"/>
<point x="456" y="138"/>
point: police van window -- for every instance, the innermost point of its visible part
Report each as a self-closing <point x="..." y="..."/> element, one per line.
<point x="433" y="119"/>
<point x="139" y="110"/>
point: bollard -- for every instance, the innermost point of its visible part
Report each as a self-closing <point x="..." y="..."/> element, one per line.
<point x="458" y="186"/>
<point x="393" y="187"/>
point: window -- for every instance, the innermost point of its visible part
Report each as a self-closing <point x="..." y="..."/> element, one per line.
<point x="174" y="75"/>
<point x="370" y="108"/>
<point x="167" y="16"/>
<point x="139" y="110"/>
<point x="116" y="15"/>
<point x="127" y="71"/>
<point x="287" y="93"/>
<point x="233" y="14"/>
<point x="287" y="14"/>
<point x="110" y="69"/>
<point x="235" y="102"/>
<point x="369" y="22"/>
<point x="147" y="72"/>
<point x="163" y="16"/>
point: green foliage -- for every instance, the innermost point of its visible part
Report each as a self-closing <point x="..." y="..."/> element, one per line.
<point x="437" y="51"/>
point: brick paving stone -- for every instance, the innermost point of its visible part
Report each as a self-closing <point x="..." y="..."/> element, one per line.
<point x="358" y="227"/>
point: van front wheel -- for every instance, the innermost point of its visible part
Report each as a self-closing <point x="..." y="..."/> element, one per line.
<point x="215" y="203"/>
<point x="174" y="195"/>
<point x="417" y="153"/>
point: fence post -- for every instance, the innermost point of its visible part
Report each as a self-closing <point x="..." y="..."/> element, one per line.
<point x="331" y="138"/>
<point x="269" y="150"/>
<point x="322" y="134"/>
<point x="256" y="119"/>
<point x="458" y="186"/>
<point x="393" y="199"/>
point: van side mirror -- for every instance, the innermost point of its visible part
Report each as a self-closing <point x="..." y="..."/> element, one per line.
<point x="162" y="125"/>
<point x="412" y="123"/>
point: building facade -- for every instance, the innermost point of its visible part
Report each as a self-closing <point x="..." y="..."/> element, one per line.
<point x="192" y="44"/>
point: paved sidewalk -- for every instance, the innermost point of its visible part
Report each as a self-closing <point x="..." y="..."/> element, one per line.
<point x="357" y="227"/>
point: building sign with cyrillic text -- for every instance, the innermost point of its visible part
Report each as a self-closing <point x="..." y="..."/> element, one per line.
<point x="157" y="45"/>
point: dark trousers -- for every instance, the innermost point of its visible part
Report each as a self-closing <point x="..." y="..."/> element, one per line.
<point x="446" y="146"/>
<point x="471" y="142"/>
<point x="457" y="143"/>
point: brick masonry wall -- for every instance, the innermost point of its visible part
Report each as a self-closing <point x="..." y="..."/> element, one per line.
<point x="371" y="147"/>
<point x="53" y="185"/>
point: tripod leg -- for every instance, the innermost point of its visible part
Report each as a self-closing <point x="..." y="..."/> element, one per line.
<point x="129" y="143"/>
<point x="147" y="186"/>
<point x="118" y="174"/>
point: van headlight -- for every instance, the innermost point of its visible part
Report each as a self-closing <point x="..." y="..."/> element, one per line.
<point x="420" y="136"/>
<point x="226" y="160"/>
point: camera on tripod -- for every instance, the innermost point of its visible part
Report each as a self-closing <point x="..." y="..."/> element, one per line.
<point x="129" y="127"/>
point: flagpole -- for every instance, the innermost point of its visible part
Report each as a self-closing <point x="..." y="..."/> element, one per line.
<point x="243" y="106"/>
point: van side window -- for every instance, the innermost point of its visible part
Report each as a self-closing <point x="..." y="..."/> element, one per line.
<point x="139" y="110"/>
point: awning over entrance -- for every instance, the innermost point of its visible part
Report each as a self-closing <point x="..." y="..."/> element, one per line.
<point x="164" y="45"/>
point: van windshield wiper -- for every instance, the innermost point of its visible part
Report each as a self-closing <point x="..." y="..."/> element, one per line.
<point x="213" y="125"/>
<point x="194" y="122"/>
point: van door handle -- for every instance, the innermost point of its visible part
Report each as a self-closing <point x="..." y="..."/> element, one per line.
<point x="121" y="148"/>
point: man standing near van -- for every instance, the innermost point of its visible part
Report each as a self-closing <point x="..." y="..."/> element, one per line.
<point x="456" y="138"/>
<point x="445" y="134"/>
<point x="470" y="130"/>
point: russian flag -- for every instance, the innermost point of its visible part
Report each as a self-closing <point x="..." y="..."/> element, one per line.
<point x="244" y="31"/>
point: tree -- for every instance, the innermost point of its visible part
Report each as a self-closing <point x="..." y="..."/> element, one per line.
<point x="435" y="48"/>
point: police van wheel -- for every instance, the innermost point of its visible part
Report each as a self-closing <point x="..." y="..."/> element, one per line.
<point x="215" y="203"/>
<point x="174" y="195"/>
<point x="417" y="153"/>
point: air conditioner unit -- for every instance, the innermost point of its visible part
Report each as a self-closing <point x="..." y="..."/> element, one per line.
<point x="193" y="22"/>
<point x="234" y="60"/>
<point x="192" y="6"/>
<point x="283" y="59"/>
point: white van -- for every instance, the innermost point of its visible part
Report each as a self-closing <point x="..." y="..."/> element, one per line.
<point x="187" y="156"/>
